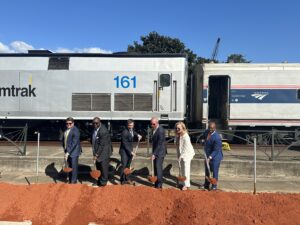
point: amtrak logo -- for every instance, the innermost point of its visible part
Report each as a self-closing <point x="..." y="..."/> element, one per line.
<point x="260" y="95"/>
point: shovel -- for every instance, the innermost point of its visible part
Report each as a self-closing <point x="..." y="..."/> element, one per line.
<point x="95" y="173"/>
<point x="180" y="178"/>
<point x="208" y="178"/>
<point x="66" y="167"/>
<point x="152" y="178"/>
<point x="129" y="170"/>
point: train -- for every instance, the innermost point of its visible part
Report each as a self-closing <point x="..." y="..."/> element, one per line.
<point x="41" y="89"/>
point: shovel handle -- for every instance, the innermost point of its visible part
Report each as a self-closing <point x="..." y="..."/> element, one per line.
<point x="95" y="167"/>
<point x="152" y="166"/>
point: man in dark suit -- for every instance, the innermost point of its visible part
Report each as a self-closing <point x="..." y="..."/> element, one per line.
<point x="102" y="149"/>
<point x="213" y="151"/>
<point x="72" y="148"/>
<point x="126" y="149"/>
<point x="159" y="150"/>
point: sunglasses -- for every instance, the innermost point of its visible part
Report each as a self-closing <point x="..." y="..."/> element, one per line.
<point x="69" y="123"/>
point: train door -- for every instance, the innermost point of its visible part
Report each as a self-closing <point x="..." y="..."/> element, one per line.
<point x="164" y="92"/>
<point x="218" y="100"/>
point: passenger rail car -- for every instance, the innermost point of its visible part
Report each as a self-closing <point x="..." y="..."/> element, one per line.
<point x="252" y="95"/>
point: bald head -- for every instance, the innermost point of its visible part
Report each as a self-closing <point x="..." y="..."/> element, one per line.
<point x="154" y="122"/>
<point x="96" y="122"/>
<point x="212" y="126"/>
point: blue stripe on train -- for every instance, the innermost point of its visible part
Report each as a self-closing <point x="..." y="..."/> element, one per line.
<point x="261" y="96"/>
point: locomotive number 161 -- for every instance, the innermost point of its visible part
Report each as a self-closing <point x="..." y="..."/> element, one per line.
<point x="125" y="81"/>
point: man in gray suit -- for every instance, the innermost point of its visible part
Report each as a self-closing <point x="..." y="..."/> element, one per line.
<point x="102" y="149"/>
<point x="72" y="148"/>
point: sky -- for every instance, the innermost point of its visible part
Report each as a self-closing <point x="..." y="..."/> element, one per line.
<point x="262" y="30"/>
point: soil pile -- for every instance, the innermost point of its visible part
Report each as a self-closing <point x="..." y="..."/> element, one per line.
<point x="64" y="204"/>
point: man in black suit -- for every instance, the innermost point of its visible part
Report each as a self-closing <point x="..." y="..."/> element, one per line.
<point x="159" y="150"/>
<point x="126" y="149"/>
<point x="102" y="149"/>
<point x="72" y="148"/>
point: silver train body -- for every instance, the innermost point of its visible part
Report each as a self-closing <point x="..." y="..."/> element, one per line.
<point x="116" y="87"/>
<point x="53" y="86"/>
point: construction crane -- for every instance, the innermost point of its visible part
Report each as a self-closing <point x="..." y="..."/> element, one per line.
<point x="215" y="52"/>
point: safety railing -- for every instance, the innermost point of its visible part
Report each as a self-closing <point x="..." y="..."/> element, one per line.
<point x="16" y="136"/>
<point x="272" y="144"/>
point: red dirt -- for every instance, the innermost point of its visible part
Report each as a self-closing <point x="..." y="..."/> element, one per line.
<point x="63" y="204"/>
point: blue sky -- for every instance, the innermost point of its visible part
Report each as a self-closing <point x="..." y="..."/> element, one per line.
<point x="262" y="30"/>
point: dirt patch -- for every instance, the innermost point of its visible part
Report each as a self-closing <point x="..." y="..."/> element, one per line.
<point x="63" y="204"/>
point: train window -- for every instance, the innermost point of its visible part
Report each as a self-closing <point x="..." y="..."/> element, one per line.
<point x="298" y="94"/>
<point x="58" y="63"/>
<point x="165" y="80"/>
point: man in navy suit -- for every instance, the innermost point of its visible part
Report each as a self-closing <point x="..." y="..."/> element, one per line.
<point x="159" y="150"/>
<point x="126" y="149"/>
<point x="72" y="148"/>
<point x="213" y="151"/>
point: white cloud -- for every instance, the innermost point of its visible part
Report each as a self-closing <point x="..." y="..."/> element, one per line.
<point x="23" y="47"/>
<point x="83" y="50"/>
<point x="94" y="50"/>
<point x="4" y="48"/>
<point x="63" y="50"/>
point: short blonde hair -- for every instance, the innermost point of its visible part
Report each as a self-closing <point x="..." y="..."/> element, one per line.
<point x="182" y="125"/>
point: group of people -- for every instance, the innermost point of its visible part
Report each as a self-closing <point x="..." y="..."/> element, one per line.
<point x="102" y="150"/>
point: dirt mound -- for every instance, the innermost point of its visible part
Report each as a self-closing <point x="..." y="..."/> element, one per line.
<point x="79" y="204"/>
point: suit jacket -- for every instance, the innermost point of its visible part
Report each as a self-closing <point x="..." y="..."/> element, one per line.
<point x="159" y="148"/>
<point x="213" y="146"/>
<point x="127" y="141"/>
<point x="72" y="146"/>
<point x="185" y="149"/>
<point x="103" y="146"/>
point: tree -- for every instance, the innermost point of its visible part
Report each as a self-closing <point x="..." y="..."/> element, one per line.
<point x="237" y="58"/>
<point x="156" y="43"/>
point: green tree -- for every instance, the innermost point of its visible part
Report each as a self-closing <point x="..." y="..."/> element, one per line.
<point x="237" y="58"/>
<point x="156" y="43"/>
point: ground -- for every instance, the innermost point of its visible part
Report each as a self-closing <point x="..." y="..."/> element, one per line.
<point x="64" y="204"/>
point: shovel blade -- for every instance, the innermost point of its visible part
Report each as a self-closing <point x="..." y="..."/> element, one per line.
<point x="128" y="171"/>
<point x="212" y="180"/>
<point x="152" y="179"/>
<point x="67" y="169"/>
<point x="181" y="178"/>
<point x="95" y="174"/>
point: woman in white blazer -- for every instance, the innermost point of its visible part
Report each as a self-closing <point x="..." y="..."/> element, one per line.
<point x="185" y="152"/>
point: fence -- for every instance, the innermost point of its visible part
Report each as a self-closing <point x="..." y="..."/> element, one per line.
<point x="17" y="136"/>
<point x="271" y="143"/>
